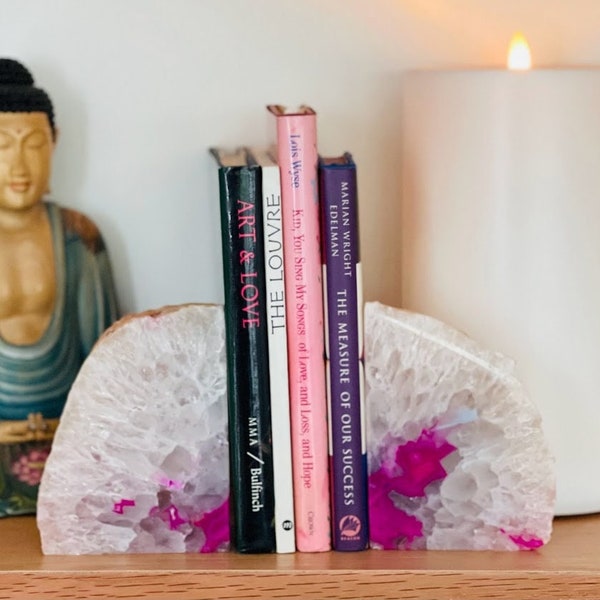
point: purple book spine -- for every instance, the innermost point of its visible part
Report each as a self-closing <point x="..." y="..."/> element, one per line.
<point x="344" y="348"/>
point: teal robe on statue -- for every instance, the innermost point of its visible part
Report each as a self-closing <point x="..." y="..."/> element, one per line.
<point x="37" y="377"/>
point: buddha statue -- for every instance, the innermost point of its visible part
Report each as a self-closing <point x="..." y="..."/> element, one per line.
<point x="56" y="289"/>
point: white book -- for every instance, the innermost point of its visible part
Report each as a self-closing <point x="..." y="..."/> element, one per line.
<point x="278" y="354"/>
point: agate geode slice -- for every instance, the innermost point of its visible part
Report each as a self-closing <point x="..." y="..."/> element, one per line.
<point x="139" y="462"/>
<point x="457" y="456"/>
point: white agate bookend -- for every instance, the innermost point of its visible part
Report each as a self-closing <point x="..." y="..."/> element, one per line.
<point x="140" y="458"/>
<point x="457" y="456"/>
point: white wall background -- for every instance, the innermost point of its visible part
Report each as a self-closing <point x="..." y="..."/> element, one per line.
<point x="142" y="88"/>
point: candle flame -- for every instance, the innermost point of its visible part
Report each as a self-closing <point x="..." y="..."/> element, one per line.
<point x="519" y="55"/>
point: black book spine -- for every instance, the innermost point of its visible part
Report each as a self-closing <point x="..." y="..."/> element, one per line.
<point x="250" y="450"/>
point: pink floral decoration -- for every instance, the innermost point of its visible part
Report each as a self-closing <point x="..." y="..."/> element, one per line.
<point x="29" y="466"/>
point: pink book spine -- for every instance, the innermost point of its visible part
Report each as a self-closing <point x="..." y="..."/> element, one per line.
<point x="297" y="155"/>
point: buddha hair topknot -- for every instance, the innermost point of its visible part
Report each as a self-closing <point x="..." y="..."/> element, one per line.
<point x="18" y="93"/>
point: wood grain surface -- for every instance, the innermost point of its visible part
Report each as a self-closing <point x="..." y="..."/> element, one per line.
<point x="568" y="567"/>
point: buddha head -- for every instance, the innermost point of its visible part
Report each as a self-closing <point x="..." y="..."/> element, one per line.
<point x="27" y="136"/>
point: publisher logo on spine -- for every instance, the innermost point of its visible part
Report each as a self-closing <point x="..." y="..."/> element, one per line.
<point x="287" y="525"/>
<point x="349" y="527"/>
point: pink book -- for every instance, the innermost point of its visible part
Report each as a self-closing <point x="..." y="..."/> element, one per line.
<point x="297" y="157"/>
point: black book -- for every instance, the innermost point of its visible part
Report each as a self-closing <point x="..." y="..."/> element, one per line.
<point x="248" y="393"/>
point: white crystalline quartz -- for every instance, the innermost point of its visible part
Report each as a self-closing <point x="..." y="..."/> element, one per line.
<point x="457" y="456"/>
<point x="139" y="462"/>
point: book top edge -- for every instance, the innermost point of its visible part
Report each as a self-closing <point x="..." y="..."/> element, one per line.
<point x="283" y="111"/>
<point x="344" y="160"/>
<point x="236" y="157"/>
<point x="262" y="156"/>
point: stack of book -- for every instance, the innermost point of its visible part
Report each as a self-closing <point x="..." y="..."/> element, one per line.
<point x="293" y="314"/>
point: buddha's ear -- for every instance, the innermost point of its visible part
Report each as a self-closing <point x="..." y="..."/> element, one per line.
<point x="56" y="136"/>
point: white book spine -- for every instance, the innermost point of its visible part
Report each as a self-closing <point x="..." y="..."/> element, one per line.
<point x="278" y="361"/>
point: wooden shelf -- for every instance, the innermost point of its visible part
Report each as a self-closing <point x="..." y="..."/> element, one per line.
<point x="568" y="567"/>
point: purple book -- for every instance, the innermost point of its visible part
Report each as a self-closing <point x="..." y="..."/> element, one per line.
<point x="342" y="285"/>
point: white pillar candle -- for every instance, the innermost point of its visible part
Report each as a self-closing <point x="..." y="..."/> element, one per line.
<point x="501" y="238"/>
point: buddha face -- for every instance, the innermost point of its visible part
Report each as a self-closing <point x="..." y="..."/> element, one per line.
<point x="26" y="146"/>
